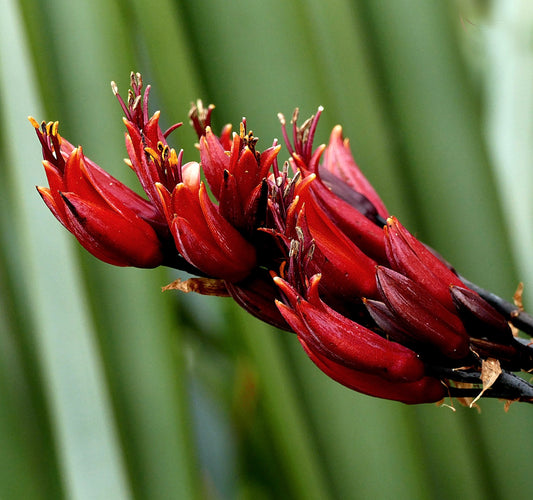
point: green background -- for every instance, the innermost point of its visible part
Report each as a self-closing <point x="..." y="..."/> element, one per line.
<point x="111" y="389"/>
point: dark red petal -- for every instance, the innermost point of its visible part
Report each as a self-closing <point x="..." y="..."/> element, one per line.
<point x="479" y="317"/>
<point x="55" y="181"/>
<point x="225" y="137"/>
<point x="230" y="201"/>
<point x="362" y="231"/>
<point x="205" y="254"/>
<point x="425" y="390"/>
<point x="246" y="171"/>
<point x="225" y="235"/>
<point x="344" y="265"/>
<point x="214" y="161"/>
<point x="410" y="257"/>
<point x="388" y="321"/>
<point x="266" y="159"/>
<point x="152" y="131"/>
<point x="338" y="159"/>
<point x="76" y="180"/>
<point x="288" y="291"/>
<point x="424" y="318"/>
<point x="110" y="236"/>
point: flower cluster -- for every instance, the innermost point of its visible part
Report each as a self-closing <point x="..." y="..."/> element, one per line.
<point x="308" y="247"/>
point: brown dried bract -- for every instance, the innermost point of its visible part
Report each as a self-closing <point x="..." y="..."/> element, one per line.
<point x="490" y="371"/>
<point x="517" y="297"/>
<point x="203" y="286"/>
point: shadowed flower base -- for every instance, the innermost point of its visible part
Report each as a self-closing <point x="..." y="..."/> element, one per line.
<point x="308" y="247"/>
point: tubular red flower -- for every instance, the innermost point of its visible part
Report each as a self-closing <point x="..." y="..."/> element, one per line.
<point x="346" y="269"/>
<point x="410" y="257"/>
<point x="344" y="341"/>
<point x="205" y="238"/>
<point x="235" y="177"/>
<point x="425" y="390"/>
<point x="108" y="219"/>
<point x="426" y="320"/>
<point x="339" y="161"/>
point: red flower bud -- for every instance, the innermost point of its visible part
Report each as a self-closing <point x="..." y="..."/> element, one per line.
<point x="422" y="316"/>
<point x="344" y="341"/>
<point x="480" y="318"/>
<point x="411" y="258"/>
<point x="347" y="271"/>
<point x="205" y="238"/>
<point x="339" y="161"/>
<point x="111" y="221"/>
<point x="425" y="390"/>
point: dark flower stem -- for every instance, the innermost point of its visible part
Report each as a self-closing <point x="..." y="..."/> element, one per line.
<point x="507" y="386"/>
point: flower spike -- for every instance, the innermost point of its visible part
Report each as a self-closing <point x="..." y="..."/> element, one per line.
<point x="306" y="245"/>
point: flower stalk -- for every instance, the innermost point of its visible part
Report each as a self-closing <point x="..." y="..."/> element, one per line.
<point x="309" y="248"/>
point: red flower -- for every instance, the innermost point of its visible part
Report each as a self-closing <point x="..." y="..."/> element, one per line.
<point x="108" y="219"/>
<point x="202" y="235"/>
<point x="343" y="341"/>
<point x="425" y="390"/>
<point x="236" y="177"/>
<point x="338" y="160"/>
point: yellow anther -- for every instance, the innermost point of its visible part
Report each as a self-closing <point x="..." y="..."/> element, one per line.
<point x="173" y="158"/>
<point x="154" y="154"/>
<point x="33" y="121"/>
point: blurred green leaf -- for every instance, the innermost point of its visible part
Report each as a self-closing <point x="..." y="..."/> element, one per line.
<point x="109" y="388"/>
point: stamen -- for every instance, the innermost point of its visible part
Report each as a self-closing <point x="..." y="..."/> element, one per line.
<point x="145" y="101"/>
<point x="294" y="248"/>
<point x="312" y="130"/>
<point x="285" y="134"/>
<point x="295" y="134"/>
<point x="33" y="121"/>
<point x="299" y="233"/>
